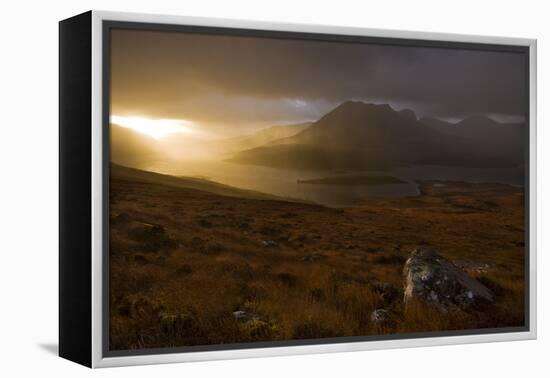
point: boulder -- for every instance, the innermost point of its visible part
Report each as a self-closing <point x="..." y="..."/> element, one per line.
<point x="473" y="267"/>
<point x="431" y="278"/>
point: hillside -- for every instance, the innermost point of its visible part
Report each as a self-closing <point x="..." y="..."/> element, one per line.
<point x="247" y="270"/>
<point x="262" y="137"/>
<point x="356" y="135"/>
<point x="131" y="148"/>
<point x="119" y="172"/>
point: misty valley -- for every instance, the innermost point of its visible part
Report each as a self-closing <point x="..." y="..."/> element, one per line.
<point x="355" y="139"/>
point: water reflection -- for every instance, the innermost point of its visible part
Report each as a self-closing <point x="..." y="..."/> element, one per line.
<point x="284" y="182"/>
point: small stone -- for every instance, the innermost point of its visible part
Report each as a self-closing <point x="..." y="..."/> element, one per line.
<point x="269" y="243"/>
<point x="379" y="315"/>
<point x="239" y="314"/>
<point x="244" y="315"/>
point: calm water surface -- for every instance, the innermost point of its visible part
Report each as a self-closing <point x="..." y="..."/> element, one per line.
<point x="284" y="182"/>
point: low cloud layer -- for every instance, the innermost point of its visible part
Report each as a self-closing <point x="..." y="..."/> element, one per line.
<point x="245" y="81"/>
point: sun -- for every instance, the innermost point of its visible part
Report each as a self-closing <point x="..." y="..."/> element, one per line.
<point x="155" y="128"/>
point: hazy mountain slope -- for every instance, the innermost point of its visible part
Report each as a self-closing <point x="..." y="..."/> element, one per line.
<point x="262" y="137"/>
<point x="481" y="129"/>
<point x="125" y="173"/>
<point x="307" y="157"/>
<point x="354" y="123"/>
<point x="133" y="149"/>
<point x="353" y="136"/>
<point x="489" y="142"/>
<point x="356" y="135"/>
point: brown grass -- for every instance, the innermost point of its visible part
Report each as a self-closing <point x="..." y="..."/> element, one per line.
<point x="302" y="271"/>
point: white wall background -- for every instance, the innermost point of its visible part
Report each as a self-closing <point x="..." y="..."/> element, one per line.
<point x="28" y="200"/>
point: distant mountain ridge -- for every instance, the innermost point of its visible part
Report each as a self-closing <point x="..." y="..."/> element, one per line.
<point x="353" y="136"/>
<point x="262" y="137"/>
<point x="133" y="149"/>
<point x="356" y="135"/>
<point x="480" y="129"/>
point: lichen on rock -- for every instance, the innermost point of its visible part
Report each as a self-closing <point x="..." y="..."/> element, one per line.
<point x="431" y="278"/>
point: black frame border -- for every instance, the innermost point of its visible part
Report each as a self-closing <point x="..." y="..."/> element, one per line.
<point x="75" y="189"/>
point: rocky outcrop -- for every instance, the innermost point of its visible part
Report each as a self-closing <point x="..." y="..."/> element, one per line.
<point x="431" y="278"/>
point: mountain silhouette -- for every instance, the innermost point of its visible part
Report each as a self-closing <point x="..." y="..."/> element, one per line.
<point x="481" y="129"/>
<point x="261" y="137"/>
<point x="357" y="135"/>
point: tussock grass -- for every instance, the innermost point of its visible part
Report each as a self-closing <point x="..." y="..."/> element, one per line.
<point x="327" y="272"/>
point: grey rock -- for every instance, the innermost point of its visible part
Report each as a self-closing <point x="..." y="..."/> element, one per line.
<point x="269" y="243"/>
<point x="473" y="267"/>
<point x="245" y="316"/>
<point x="379" y="315"/>
<point x="431" y="278"/>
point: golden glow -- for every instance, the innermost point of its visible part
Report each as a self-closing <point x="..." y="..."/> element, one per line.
<point x="156" y="128"/>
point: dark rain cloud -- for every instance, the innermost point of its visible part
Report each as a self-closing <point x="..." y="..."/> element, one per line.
<point x="246" y="80"/>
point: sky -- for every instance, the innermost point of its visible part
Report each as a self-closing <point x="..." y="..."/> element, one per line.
<point x="217" y="84"/>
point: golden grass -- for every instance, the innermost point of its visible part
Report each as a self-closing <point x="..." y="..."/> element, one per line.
<point x="323" y="273"/>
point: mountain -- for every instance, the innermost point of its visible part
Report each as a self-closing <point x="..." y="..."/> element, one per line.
<point x="261" y="137"/>
<point x="490" y="142"/>
<point x="134" y="149"/>
<point x="356" y="135"/>
<point x="481" y="130"/>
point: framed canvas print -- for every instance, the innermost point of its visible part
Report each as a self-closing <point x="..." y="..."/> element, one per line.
<point x="236" y="189"/>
